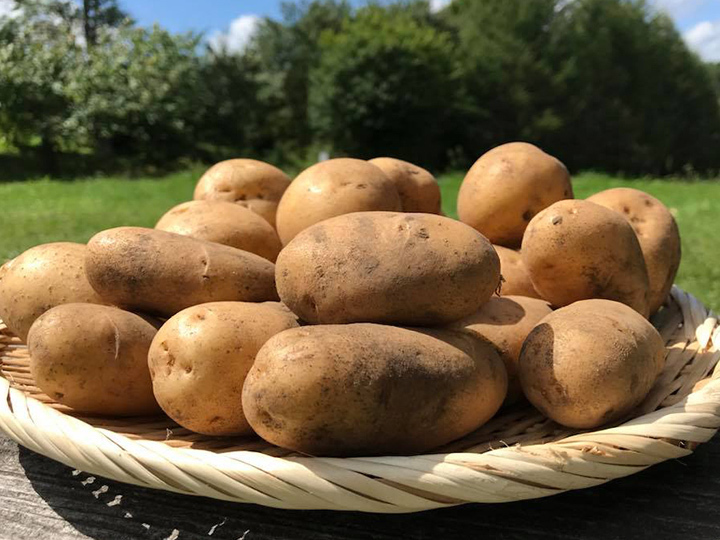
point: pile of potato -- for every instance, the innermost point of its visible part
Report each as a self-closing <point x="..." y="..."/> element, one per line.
<point x="343" y="314"/>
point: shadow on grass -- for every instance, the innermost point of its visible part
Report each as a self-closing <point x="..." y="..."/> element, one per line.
<point x="17" y="168"/>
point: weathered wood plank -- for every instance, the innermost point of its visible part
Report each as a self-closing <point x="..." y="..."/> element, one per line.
<point x="42" y="499"/>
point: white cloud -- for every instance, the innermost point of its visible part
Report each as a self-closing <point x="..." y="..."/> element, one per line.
<point x="704" y="38"/>
<point x="437" y="5"/>
<point x="8" y="8"/>
<point x="238" y="35"/>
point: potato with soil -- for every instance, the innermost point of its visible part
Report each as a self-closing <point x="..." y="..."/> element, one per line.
<point x="507" y="187"/>
<point x="418" y="189"/>
<point x="162" y="273"/>
<point x="387" y="267"/>
<point x="94" y="359"/>
<point x="254" y="184"/>
<point x="577" y="250"/>
<point x="225" y="223"/>
<point x="657" y="233"/>
<point x="367" y="389"/>
<point x="506" y="322"/>
<point x="515" y="278"/>
<point x="333" y="188"/>
<point x="200" y="357"/>
<point x="590" y="363"/>
<point x="41" y="278"/>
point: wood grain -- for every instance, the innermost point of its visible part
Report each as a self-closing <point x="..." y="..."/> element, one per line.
<point x="40" y="499"/>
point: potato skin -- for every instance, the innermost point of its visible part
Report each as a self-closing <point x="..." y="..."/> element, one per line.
<point x="41" y="278"/>
<point x="516" y="280"/>
<point x="418" y="189"/>
<point x="250" y="183"/>
<point x="657" y="233"/>
<point x="506" y="322"/>
<point x="225" y="223"/>
<point x="365" y="389"/>
<point x="509" y="185"/>
<point x="333" y="188"/>
<point x="162" y="273"/>
<point x="577" y="250"/>
<point x="590" y="363"/>
<point x="94" y="359"/>
<point x="387" y="267"/>
<point x="200" y="357"/>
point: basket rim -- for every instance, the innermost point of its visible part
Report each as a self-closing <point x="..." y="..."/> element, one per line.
<point x="384" y="484"/>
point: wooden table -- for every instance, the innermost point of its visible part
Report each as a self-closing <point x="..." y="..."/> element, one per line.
<point x="41" y="499"/>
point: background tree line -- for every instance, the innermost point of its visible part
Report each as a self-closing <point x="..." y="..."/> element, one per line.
<point x="604" y="84"/>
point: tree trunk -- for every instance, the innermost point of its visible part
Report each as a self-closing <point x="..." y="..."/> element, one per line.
<point x="48" y="154"/>
<point x="89" y="10"/>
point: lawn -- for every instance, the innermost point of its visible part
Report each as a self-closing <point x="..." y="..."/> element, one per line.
<point x="46" y="210"/>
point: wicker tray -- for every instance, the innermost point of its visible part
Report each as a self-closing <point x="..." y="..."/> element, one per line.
<point x="518" y="455"/>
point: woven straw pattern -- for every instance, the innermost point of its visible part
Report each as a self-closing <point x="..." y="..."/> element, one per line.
<point x="518" y="455"/>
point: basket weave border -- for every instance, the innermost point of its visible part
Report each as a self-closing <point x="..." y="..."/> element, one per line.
<point x="400" y="484"/>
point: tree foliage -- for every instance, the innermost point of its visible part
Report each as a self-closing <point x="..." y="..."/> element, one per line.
<point x="385" y="85"/>
<point x="603" y="84"/>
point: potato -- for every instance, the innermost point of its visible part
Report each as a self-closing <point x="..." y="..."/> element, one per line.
<point x="162" y="273"/>
<point x="506" y="187"/>
<point x="418" y="189"/>
<point x="506" y="322"/>
<point x="332" y="188"/>
<point x="516" y="280"/>
<point x="94" y="359"/>
<point x="200" y="357"/>
<point x="387" y="267"/>
<point x="225" y="223"/>
<point x="43" y="277"/>
<point x="576" y="250"/>
<point x="247" y="182"/>
<point x="657" y="233"/>
<point x="590" y="363"/>
<point x="364" y="389"/>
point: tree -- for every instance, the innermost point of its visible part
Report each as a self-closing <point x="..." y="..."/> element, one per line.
<point x="100" y="14"/>
<point x="384" y="86"/>
<point x="285" y="52"/>
<point x="632" y="97"/>
<point x="506" y="78"/>
<point x="38" y="57"/>
<point x="140" y="93"/>
<point x="235" y="113"/>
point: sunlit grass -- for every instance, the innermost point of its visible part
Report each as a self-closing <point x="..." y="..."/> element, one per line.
<point x="41" y="211"/>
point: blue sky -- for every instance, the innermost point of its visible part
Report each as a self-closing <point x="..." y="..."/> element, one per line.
<point x="233" y="21"/>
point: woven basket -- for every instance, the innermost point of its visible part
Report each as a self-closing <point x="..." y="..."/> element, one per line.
<point x="518" y="455"/>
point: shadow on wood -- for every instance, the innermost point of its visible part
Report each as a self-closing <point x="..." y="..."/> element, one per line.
<point x="674" y="499"/>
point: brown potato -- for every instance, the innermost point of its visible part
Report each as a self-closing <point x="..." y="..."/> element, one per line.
<point x="657" y="233"/>
<point x="94" y="359"/>
<point x="506" y="322"/>
<point x="418" y="189"/>
<point x="507" y="186"/>
<point x="516" y="280"/>
<point x="163" y="273"/>
<point x="256" y="185"/>
<point x="387" y="267"/>
<point x="332" y="188"/>
<point x="43" y="277"/>
<point x="225" y="223"/>
<point x="590" y="363"/>
<point x="365" y="389"/>
<point x="200" y="357"/>
<point x="576" y="250"/>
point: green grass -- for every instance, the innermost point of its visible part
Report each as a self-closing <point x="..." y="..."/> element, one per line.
<point x="48" y="210"/>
